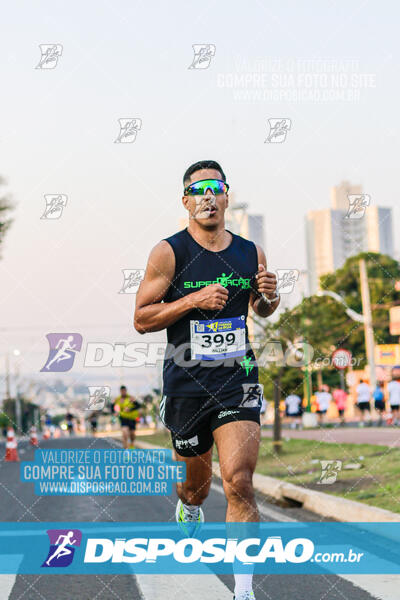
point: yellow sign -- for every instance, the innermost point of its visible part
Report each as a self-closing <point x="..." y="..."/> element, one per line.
<point x="387" y="354"/>
<point x="395" y="320"/>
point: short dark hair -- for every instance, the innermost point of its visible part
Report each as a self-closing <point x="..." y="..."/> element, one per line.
<point x="123" y="387"/>
<point x="202" y="164"/>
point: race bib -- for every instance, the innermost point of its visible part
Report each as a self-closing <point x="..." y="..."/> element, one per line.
<point x="217" y="339"/>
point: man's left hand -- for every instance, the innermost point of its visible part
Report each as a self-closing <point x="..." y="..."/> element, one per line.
<point x="266" y="282"/>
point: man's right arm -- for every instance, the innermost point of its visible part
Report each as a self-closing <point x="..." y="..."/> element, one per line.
<point x="151" y="314"/>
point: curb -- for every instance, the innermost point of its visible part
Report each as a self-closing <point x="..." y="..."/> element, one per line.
<point x="320" y="503"/>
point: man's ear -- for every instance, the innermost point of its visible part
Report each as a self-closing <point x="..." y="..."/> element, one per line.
<point x="185" y="202"/>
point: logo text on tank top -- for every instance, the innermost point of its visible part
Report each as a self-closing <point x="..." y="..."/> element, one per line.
<point x="224" y="280"/>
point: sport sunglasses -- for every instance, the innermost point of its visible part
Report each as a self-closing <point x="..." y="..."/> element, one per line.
<point x="200" y="188"/>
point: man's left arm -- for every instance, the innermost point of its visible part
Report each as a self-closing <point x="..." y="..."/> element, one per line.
<point x="266" y="284"/>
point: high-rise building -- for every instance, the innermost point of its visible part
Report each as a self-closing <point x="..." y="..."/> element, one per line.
<point x="334" y="234"/>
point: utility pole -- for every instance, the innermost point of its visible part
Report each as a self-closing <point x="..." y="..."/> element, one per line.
<point x="368" y="330"/>
<point x="7" y="376"/>
<point x="277" y="437"/>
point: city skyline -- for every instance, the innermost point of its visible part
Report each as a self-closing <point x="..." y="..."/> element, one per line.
<point x="61" y="126"/>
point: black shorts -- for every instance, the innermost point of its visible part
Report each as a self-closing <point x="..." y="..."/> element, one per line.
<point x="297" y="414"/>
<point x="322" y="412"/>
<point x="379" y="405"/>
<point x="131" y="423"/>
<point x="192" y="421"/>
<point x="341" y="411"/>
<point x="364" y="406"/>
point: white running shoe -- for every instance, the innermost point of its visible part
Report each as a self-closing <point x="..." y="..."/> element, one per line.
<point x="245" y="596"/>
<point x="189" y="521"/>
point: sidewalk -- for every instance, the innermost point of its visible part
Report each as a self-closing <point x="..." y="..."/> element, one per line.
<point x="381" y="436"/>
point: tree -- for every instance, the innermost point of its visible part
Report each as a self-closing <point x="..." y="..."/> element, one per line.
<point x="5" y="208"/>
<point x="323" y="323"/>
<point x="382" y="271"/>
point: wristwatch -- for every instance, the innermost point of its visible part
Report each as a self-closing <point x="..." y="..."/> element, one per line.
<point x="270" y="300"/>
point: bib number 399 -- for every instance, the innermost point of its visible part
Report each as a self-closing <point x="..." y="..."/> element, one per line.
<point x="218" y="339"/>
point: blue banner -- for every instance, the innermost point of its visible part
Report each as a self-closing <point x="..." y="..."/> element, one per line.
<point x="287" y="548"/>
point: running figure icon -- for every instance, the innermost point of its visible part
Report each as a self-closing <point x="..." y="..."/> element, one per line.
<point x="62" y="549"/>
<point x="62" y="348"/>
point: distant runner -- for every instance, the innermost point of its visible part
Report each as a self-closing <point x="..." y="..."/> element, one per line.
<point x="363" y="401"/>
<point x="394" y="398"/>
<point x="294" y="410"/>
<point x="127" y="408"/>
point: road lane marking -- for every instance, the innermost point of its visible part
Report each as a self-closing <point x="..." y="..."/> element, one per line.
<point x="169" y="587"/>
<point x="382" y="587"/>
<point x="6" y="585"/>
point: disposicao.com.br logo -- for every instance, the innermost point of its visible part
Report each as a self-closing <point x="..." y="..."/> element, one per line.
<point x="148" y="547"/>
<point x="191" y="550"/>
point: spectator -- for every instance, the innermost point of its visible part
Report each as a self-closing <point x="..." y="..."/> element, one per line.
<point x="394" y="398"/>
<point x="340" y="399"/>
<point x="379" y="400"/>
<point x="363" y="401"/>
<point x="293" y="410"/>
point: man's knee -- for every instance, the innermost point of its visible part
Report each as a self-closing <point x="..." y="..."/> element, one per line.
<point x="239" y="486"/>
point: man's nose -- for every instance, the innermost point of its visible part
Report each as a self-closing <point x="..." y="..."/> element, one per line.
<point x="209" y="194"/>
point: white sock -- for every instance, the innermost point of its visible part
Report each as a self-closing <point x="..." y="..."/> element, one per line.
<point x="243" y="583"/>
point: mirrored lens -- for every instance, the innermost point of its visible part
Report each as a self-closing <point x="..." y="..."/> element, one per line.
<point x="200" y="188"/>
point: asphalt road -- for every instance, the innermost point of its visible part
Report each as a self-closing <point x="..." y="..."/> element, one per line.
<point x="19" y="503"/>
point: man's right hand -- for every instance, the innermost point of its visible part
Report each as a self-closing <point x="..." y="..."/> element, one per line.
<point x="211" y="297"/>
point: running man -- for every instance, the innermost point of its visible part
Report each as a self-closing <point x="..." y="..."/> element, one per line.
<point x="128" y="412"/>
<point x="62" y="549"/>
<point x="379" y="400"/>
<point x="294" y="410"/>
<point x="70" y="422"/>
<point x="394" y="398"/>
<point x="324" y="399"/>
<point x="363" y="401"/>
<point x="340" y="399"/>
<point x="198" y="285"/>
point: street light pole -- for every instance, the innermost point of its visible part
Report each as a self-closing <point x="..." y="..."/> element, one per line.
<point x="365" y="318"/>
<point x="368" y="329"/>
<point x="7" y="376"/>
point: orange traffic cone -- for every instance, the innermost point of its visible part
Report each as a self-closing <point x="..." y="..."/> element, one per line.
<point x="34" y="438"/>
<point x="11" y="446"/>
<point x="46" y="434"/>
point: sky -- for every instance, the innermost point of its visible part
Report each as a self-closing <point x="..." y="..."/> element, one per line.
<point x="331" y="68"/>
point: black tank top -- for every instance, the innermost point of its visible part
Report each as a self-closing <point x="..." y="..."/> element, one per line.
<point x="220" y="337"/>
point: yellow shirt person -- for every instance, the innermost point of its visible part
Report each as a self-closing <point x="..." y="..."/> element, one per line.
<point x="127" y="408"/>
